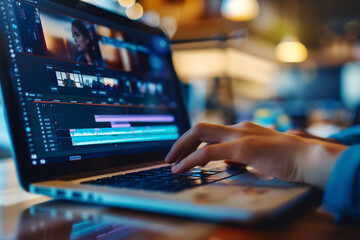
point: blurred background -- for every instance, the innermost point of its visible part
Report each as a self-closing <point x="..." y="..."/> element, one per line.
<point x="279" y="63"/>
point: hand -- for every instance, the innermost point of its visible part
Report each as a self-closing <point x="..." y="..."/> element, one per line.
<point x="305" y="134"/>
<point x="285" y="156"/>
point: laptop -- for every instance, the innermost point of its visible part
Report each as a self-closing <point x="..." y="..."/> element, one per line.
<point x="93" y="105"/>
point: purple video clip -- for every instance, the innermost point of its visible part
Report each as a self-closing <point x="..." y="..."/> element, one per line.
<point x="134" y="118"/>
<point x="120" y="125"/>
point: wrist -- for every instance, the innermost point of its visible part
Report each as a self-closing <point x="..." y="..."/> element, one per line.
<point x="318" y="161"/>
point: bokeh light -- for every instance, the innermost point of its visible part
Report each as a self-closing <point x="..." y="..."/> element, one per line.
<point x="291" y="50"/>
<point x="151" y="18"/>
<point x="135" y="12"/>
<point x="240" y="10"/>
<point x="169" y="25"/>
<point x="126" y="3"/>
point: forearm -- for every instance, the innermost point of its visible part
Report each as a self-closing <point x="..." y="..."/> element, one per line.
<point x="317" y="161"/>
<point x="305" y="134"/>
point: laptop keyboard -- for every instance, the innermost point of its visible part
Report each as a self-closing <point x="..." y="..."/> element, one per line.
<point x="163" y="180"/>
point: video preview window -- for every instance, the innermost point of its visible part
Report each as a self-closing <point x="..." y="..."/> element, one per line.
<point x="79" y="41"/>
<point x="55" y="35"/>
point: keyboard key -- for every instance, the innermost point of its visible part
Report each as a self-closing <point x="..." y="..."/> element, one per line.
<point x="163" y="180"/>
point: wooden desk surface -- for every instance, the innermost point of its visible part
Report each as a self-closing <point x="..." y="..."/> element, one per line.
<point x="29" y="216"/>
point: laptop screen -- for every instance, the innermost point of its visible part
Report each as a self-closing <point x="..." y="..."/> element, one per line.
<point x="89" y="87"/>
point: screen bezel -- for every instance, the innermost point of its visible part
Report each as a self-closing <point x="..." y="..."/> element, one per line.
<point x="28" y="173"/>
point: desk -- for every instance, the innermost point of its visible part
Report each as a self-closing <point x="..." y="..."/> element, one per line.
<point x="29" y="216"/>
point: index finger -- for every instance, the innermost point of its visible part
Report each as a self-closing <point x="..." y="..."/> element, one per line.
<point x="203" y="156"/>
<point x="201" y="132"/>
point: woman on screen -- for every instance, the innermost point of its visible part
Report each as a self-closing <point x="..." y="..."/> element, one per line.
<point x="86" y="45"/>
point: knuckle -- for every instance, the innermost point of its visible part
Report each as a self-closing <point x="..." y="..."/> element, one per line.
<point x="199" y="127"/>
<point x="246" y="124"/>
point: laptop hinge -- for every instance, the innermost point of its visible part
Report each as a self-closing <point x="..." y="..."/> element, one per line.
<point x="107" y="171"/>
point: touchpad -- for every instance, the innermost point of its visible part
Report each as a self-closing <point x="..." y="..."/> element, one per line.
<point x="256" y="178"/>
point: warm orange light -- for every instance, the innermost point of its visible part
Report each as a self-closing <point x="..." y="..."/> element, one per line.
<point x="135" y="12"/>
<point x="290" y="50"/>
<point x="126" y="3"/>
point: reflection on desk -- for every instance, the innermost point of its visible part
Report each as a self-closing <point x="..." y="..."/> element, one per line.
<point x="66" y="220"/>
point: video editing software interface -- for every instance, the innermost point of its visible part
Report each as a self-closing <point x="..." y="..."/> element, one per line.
<point x="88" y="87"/>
